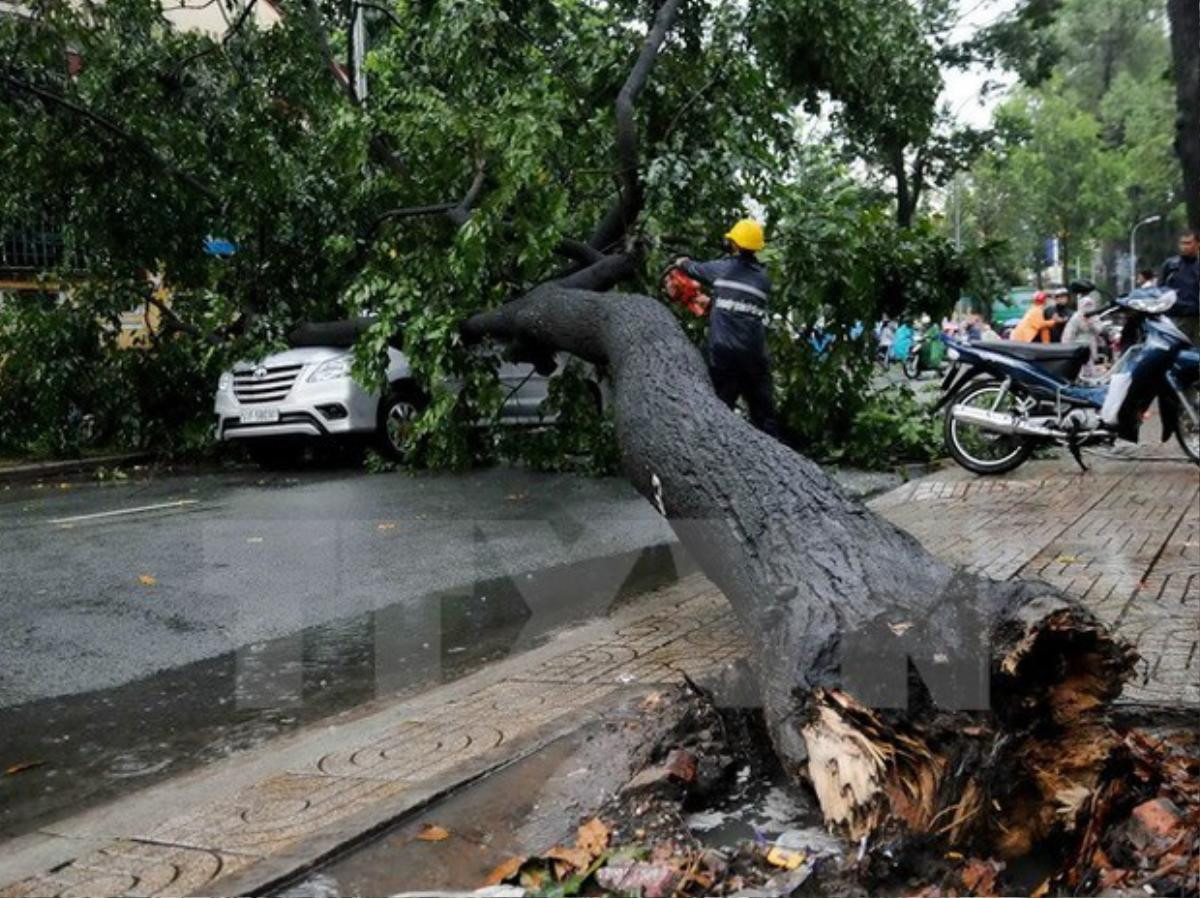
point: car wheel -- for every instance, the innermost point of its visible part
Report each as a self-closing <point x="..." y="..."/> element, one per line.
<point x="398" y="411"/>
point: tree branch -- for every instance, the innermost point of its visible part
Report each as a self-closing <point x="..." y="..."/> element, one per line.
<point x="312" y="11"/>
<point x="605" y="273"/>
<point x="456" y="213"/>
<point x="629" y="201"/>
<point x="50" y="98"/>
<point x="579" y="251"/>
<point x="461" y="212"/>
<point x="233" y="29"/>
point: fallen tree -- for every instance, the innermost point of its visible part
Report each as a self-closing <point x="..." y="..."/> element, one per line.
<point x="916" y="698"/>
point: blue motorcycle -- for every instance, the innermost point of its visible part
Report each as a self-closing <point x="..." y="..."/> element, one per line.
<point x="1004" y="399"/>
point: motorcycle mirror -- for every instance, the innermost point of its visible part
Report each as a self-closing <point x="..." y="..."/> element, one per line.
<point x="1081" y="287"/>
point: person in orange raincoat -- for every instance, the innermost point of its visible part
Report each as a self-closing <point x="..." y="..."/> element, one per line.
<point x="1034" y="325"/>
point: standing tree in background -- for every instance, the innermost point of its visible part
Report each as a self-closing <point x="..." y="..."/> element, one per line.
<point x="881" y="63"/>
<point x="1085" y="146"/>
<point x="1185" y="53"/>
<point x="1069" y="177"/>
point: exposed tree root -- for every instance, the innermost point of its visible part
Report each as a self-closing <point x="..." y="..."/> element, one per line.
<point x="1136" y="831"/>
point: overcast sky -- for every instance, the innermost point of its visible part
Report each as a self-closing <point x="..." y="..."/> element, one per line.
<point x="965" y="91"/>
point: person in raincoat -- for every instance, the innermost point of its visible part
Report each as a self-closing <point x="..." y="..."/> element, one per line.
<point x="1034" y="325"/>
<point x="1084" y="328"/>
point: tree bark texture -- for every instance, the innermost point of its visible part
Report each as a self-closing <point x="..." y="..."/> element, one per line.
<point x="1185" y="54"/>
<point x="910" y="694"/>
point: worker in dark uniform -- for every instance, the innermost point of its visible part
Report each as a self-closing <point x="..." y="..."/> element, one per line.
<point x="737" y="335"/>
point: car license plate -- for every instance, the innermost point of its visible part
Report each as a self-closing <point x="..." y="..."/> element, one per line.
<point x="260" y="415"/>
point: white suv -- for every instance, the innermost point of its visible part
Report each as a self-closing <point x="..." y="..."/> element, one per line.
<point x="307" y="393"/>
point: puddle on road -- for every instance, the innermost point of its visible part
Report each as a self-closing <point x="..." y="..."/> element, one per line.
<point x="95" y="746"/>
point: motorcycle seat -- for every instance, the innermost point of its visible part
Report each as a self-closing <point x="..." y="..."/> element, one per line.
<point x="1063" y="359"/>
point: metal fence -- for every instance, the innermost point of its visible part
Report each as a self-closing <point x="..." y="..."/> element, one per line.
<point x="38" y="247"/>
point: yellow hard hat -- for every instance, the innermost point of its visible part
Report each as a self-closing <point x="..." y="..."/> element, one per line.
<point x="747" y="234"/>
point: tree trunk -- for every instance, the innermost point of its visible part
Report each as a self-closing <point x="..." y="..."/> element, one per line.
<point x="912" y="695"/>
<point x="906" y="203"/>
<point x="1064" y="260"/>
<point x="1185" y="54"/>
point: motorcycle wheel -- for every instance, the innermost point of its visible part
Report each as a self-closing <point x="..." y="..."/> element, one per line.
<point x="1188" y="432"/>
<point x="912" y="366"/>
<point x="983" y="451"/>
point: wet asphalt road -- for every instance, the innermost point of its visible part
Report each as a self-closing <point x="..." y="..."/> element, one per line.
<point x="157" y="623"/>
<point x="105" y="583"/>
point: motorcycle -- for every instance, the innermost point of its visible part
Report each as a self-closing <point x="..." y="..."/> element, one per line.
<point x="1003" y="399"/>
<point x="924" y="354"/>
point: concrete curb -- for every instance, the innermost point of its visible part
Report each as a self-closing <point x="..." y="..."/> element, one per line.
<point x="41" y="470"/>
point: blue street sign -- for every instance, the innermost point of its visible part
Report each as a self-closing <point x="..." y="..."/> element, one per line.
<point x="219" y="246"/>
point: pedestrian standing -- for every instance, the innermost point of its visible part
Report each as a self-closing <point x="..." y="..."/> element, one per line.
<point x="1181" y="273"/>
<point x="1060" y="314"/>
<point x="1084" y="328"/>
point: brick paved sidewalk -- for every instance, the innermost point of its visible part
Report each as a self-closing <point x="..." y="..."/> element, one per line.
<point x="1125" y="538"/>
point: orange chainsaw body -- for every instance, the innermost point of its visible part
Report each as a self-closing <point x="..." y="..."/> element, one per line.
<point x="685" y="291"/>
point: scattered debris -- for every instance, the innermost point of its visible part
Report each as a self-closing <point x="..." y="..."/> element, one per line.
<point x="638" y="878"/>
<point x="979" y="877"/>
<point x="693" y="821"/>
<point x="22" y="766"/>
<point x="148" y="580"/>
<point x="785" y="858"/>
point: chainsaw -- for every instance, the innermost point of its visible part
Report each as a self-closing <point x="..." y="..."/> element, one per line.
<point x="684" y="291"/>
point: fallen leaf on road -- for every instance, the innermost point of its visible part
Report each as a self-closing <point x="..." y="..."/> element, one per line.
<point x="592" y="837"/>
<point x="533" y="876"/>
<point x="578" y="858"/>
<point x="1066" y="559"/>
<point x="431" y="832"/>
<point x="387" y="526"/>
<point x="22" y="767"/>
<point x="148" y="580"/>
<point x="505" y="871"/>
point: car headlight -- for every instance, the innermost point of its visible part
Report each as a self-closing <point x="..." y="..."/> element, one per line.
<point x="334" y="369"/>
<point x="225" y="382"/>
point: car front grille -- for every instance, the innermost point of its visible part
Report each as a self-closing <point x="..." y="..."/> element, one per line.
<point x="264" y="384"/>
